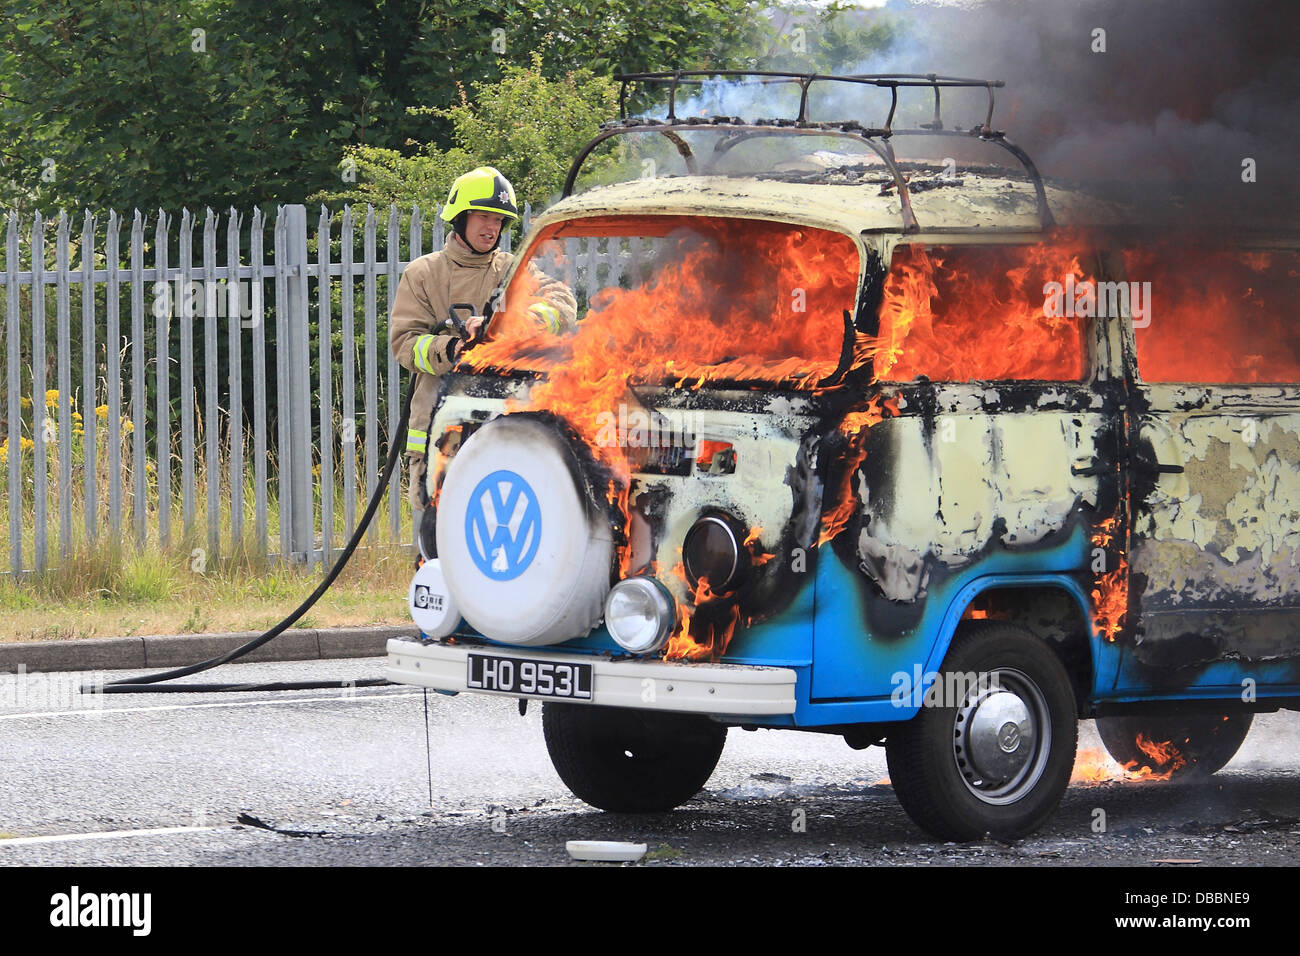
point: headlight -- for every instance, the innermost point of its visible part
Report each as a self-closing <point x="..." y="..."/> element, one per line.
<point x="712" y="550"/>
<point x="639" y="615"/>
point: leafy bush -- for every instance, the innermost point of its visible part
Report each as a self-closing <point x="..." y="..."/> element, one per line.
<point x="528" y="126"/>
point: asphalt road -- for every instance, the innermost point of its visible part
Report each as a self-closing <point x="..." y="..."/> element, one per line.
<point x="329" y="778"/>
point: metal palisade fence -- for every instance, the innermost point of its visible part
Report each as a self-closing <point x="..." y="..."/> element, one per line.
<point x="218" y="398"/>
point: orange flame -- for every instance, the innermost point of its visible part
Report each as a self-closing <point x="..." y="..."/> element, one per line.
<point x="1110" y="596"/>
<point x="1094" y="766"/>
<point x="696" y="637"/>
<point x="729" y="300"/>
<point x="854" y="425"/>
<point x="1217" y="315"/>
<point x="757" y="556"/>
<point x="1165" y="755"/>
<point x="962" y="314"/>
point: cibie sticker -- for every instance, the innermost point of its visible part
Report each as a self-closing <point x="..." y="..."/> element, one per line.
<point x="425" y="599"/>
<point x="432" y="606"/>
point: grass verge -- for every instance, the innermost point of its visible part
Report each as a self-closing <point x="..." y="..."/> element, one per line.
<point x="156" y="593"/>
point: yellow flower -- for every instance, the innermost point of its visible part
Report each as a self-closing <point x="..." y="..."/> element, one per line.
<point x="24" y="401"/>
<point x="101" y="412"/>
<point x="149" y="468"/>
<point x="25" y="444"/>
<point x="127" y="426"/>
<point x="52" y="398"/>
<point x="76" y="416"/>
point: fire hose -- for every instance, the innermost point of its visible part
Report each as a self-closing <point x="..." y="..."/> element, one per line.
<point x="144" y="684"/>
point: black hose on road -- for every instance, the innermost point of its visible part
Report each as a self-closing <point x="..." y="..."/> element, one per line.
<point x="142" y="684"/>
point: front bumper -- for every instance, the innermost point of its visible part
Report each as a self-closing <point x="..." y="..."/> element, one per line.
<point x="715" y="689"/>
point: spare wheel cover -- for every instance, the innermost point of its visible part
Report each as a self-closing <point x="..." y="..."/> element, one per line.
<point x="526" y="557"/>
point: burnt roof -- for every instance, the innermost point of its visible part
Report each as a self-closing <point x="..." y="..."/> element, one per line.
<point x="973" y="202"/>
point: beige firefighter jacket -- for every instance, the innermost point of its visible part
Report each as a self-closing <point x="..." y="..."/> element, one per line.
<point x="429" y="287"/>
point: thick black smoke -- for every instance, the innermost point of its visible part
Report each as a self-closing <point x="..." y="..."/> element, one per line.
<point x="1184" y="93"/>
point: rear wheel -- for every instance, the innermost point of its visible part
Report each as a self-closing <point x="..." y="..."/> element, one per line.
<point x="631" y="761"/>
<point x="1184" y="746"/>
<point x="992" y="749"/>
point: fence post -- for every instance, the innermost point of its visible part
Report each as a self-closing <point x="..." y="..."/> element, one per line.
<point x="301" y="510"/>
<point x="41" y="424"/>
<point x="393" y="254"/>
<point x="13" y="381"/>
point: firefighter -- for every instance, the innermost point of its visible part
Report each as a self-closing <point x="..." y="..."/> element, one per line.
<point x="468" y="269"/>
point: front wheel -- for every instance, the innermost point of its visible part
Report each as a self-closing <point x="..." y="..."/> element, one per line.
<point x="631" y="761"/>
<point x="1178" y="746"/>
<point x="992" y="748"/>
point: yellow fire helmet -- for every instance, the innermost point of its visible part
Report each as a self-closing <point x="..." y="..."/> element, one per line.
<point x="484" y="189"/>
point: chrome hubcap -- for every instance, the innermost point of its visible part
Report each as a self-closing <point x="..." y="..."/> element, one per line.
<point x="1002" y="737"/>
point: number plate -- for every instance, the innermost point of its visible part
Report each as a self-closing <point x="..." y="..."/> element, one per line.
<point x="517" y="675"/>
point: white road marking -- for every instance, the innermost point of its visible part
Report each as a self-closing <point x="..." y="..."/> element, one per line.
<point x="97" y="711"/>
<point x="103" y="835"/>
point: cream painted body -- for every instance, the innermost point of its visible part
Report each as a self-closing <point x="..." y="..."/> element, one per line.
<point x="947" y="490"/>
<point x="1216" y="548"/>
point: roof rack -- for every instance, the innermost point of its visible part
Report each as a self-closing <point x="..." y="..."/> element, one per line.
<point x="877" y="138"/>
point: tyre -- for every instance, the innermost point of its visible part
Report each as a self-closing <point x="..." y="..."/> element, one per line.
<point x="1201" y="743"/>
<point x="992" y="750"/>
<point x="631" y="761"/>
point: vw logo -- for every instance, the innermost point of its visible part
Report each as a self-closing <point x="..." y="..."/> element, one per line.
<point x="1009" y="737"/>
<point x="503" y="525"/>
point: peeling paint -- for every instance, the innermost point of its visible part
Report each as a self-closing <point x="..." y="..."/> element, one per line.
<point x="984" y="479"/>
<point x="1225" y="530"/>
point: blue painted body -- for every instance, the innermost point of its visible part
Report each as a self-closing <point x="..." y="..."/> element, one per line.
<point x="1221" y="680"/>
<point x="850" y="676"/>
<point x="845" y="675"/>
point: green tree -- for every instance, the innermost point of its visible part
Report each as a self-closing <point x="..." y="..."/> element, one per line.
<point x="149" y="103"/>
<point x="528" y="126"/>
<point x="834" y="38"/>
<point x="630" y="36"/>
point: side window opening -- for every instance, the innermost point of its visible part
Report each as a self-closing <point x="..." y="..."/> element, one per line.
<point x="984" y="313"/>
<point x="1215" y="315"/>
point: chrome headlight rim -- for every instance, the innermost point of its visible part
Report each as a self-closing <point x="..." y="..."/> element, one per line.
<point x="665" y="613"/>
<point x="735" y="532"/>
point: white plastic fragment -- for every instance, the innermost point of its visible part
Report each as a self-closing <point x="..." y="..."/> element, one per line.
<point x="608" y="851"/>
